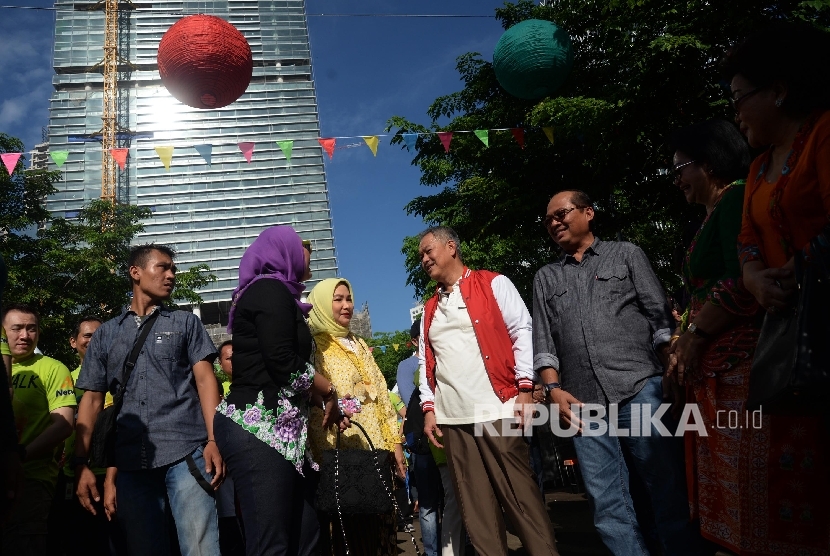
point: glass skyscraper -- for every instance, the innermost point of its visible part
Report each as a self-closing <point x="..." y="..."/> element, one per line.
<point x="208" y="212"/>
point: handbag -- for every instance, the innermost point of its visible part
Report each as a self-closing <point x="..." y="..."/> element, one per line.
<point x="355" y="482"/>
<point x="102" y="444"/>
<point x="792" y="360"/>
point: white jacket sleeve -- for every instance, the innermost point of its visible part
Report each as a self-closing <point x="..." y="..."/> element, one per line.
<point x="427" y="395"/>
<point x="519" y="327"/>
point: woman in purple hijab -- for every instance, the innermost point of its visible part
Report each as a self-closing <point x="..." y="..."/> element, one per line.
<point x="262" y="425"/>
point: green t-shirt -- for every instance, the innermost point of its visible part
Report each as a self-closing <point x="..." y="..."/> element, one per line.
<point x="41" y="385"/>
<point x="4" y="343"/>
<point x="69" y="445"/>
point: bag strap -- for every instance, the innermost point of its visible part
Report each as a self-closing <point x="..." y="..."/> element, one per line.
<point x="129" y="364"/>
<point x="385" y="486"/>
<point x="197" y="474"/>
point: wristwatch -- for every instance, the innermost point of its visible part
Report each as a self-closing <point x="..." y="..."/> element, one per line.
<point x="550" y="386"/>
<point x="693" y="329"/>
<point x="79" y="460"/>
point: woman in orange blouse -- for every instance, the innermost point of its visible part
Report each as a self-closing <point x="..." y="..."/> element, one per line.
<point x="781" y="98"/>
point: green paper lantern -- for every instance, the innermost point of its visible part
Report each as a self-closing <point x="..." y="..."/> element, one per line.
<point x="533" y="58"/>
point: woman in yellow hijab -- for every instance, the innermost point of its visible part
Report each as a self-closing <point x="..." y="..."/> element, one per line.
<point x="347" y="362"/>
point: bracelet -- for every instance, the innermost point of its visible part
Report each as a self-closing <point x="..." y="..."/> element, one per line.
<point x="206" y="443"/>
<point x="675" y="337"/>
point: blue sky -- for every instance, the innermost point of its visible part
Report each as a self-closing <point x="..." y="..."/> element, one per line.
<point x="366" y="70"/>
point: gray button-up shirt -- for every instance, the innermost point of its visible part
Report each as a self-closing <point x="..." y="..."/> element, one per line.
<point x="161" y="420"/>
<point x="597" y="321"/>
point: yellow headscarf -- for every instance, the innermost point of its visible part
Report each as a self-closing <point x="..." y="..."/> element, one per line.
<point x="321" y="317"/>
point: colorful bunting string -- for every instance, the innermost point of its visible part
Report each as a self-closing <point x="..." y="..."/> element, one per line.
<point x="329" y="144"/>
<point x="10" y="160"/>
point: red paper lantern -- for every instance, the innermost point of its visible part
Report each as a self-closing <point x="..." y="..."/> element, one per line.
<point x="205" y="62"/>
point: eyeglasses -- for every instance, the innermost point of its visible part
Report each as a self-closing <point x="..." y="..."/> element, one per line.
<point x="736" y="102"/>
<point x="559" y="215"/>
<point x="677" y="170"/>
<point x="307" y="245"/>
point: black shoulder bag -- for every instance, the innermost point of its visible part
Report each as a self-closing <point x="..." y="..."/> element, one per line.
<point x="102" y="445"/>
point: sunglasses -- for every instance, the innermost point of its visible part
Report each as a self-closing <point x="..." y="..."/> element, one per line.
<point x="559" y="215"/>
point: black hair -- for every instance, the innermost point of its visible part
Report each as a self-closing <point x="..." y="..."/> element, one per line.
<point x="223" y="345"/>
<point x="581" y="200"/>
<point x="415" y="331"/>
<point x="140" y="253"/>
<point x="718" y="145"/>
<point x="22" y="308"/>
<point x="89" y="318"/>
<point x="792" y="53"/>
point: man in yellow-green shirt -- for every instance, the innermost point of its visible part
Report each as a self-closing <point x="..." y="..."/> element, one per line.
<point x="44" y="406"/>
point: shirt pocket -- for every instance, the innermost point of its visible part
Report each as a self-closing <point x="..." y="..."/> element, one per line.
<point x="613" y="281"/>
<point x="167" y="346"/>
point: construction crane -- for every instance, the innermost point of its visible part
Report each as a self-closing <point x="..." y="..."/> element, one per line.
<point x="114" y="132"/>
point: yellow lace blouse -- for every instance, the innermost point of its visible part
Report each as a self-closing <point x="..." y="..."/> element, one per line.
<point x="356" y="374"/>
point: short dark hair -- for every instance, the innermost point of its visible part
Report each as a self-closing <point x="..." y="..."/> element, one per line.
<point x="89" y="318"/>
<point x="581" y="200"/>
<point x="22" y="308"/>
<point x="445" y="234"/>
<point x="140" y="253"/>
<point x="415" y="331"/>
<point x="718" y="144"/>
<point x="788" y="52"/>
<point x="223" y="345"/>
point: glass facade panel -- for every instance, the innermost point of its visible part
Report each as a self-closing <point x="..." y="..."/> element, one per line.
<point x="208" y="213"/>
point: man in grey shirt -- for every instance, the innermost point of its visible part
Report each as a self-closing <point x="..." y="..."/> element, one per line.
<point x="165" y="451"/>
<point x="601" y="326"/>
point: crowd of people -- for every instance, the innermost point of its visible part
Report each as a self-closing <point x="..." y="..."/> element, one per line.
<point x="200" y="468"/>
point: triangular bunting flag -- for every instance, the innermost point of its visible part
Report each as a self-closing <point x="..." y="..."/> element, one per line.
<point x="328" y="146"/>
<point x="247" y="149"/>
<point x="206" y="151"/>
<point x="484" y="135"/>
<point x="372" y="143"/>
<point x="120" y="156"/>
<point x="59" y="157"/>
<point x="409" y="139"/>
<point x="548" y="133"/>
<point x="382" y="348"/>
<point x="286" y="147"/>
<point x="519" y="134"/>
<point x="396" y="346"/>
<point x="445" y="137"/>
<point x="10" y="160"/>
<point x="166" y="155"/>
<point x="371" y="349"/>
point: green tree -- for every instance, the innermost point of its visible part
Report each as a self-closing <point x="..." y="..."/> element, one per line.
<point x="388" y="357"/>
<point x="68" y="268"/>
<point x="643" y="68"/>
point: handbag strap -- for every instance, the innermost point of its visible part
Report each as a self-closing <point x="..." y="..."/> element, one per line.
<point x="129" y="364"/>
<point x="385" y="486"/>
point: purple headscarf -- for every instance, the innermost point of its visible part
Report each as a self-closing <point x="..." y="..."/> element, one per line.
<point x="277" y="253"/>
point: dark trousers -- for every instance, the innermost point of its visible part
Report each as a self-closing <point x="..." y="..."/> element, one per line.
<point x="275" y="501"/>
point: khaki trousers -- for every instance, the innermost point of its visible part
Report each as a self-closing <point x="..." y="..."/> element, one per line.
<point x="491" y="473"/>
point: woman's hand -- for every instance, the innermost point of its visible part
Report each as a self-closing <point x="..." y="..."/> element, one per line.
<point x="333" y="416"/>
<point x="400" y="464"/>
<point x="772" y="287"/>
<point x="685" y="356"/>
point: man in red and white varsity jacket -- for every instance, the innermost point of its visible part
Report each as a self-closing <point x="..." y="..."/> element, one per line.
<point x="476" y="354"/>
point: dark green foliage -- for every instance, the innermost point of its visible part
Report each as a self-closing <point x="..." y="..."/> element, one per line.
<point x="388" y="360"/>
<point x="643" y="68"/>
<point x="70" y="268"/>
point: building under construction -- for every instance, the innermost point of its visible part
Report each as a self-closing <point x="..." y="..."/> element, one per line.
<point x="209" y="212"/>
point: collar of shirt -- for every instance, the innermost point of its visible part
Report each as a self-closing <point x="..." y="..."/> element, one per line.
<point x="163" y="311"/>
<point x="594" y="249"/>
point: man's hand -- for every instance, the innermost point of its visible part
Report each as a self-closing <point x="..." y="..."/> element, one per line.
<point x="431" y="428"/>
<point x="214" y="464"/>
<point x="563" y="401"/>
<point x="523" y="408"/>
<point x="13" y="468"/>
<point x="110" y="504"/>
<point x="86" y="488"/>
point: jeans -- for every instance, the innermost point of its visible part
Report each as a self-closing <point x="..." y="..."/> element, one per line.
<point x="275" y="501"/>
<point x="428" y="479"/>
<point x="142" y="500"/>
<point x="660" y="467"/>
